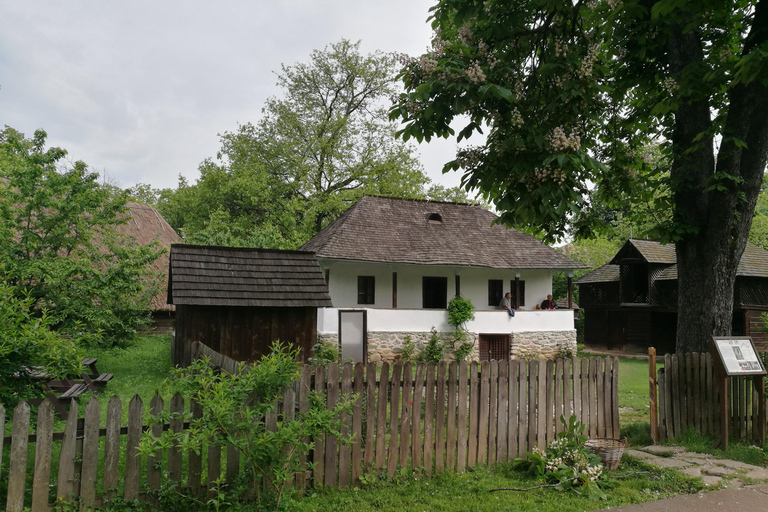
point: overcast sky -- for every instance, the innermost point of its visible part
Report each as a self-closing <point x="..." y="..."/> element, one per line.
<point x="140" y="89"/>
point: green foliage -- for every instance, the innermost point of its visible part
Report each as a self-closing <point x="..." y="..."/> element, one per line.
<point x="434" y="350"/>
<point x="320" y="145"/>
<point x="461" y="311"/>
<point x="234" y="409"/>
<point x="60" y="246"/>
<point x="568" y="463"/>
<point x="325" y="353"/>
<point x="408" y="355"/>
<point x="28" y="340"/>
<point x="461" y="352"/>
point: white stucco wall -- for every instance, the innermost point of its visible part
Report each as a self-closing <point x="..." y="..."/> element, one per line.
<point x="419" y="320"/>
<point x="473" y="281"/>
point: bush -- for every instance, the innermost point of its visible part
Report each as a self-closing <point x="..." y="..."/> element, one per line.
<point x="434" y="350"/>
<point x="461" y="311"/>
<point x="234" y="409"/>
<point x="27" y="340"/>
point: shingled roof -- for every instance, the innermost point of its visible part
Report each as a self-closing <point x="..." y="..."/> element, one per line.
<point x="389" y="230"/>
<point x="227" y="276"/>
<point x="754" y="262"/>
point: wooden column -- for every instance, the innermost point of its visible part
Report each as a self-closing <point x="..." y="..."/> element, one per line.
<point x="652" y="393"/>
<point x="570" y="290"/>
<point x="458" y="285"/>
<point x="517" y="291"/>
<point x="394" y="290"/>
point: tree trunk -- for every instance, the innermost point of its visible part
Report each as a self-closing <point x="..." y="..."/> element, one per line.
<point x="708" y="258"/>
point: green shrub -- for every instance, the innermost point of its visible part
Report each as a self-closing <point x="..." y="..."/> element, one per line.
<point x="234" y="409"/>
<point x="27" y="340"/>
<point x="461" y="311"/>
<point x="434" y="350"/>
<point x="408" y="355"/>
<point x="324" y="353"/>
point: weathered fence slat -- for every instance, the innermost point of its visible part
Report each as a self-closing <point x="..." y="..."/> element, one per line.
<point x="305" y="384"/>
<point x="541" y="404"/>
<point x="90" y="454"/>
<point x="66" y="488"/>
<point x="345" y="451"/>
<point x="405" y="416"/>
<point x="331" y="449"/>
<point x="417" y="448"/>
<point x="43" y="455"/>
<point x="394" y="409"/>
<point x="522" y="416"/>
<point x="513" y="416"/>
<point x="112" y="447"/>
<point x="357" y="421"/>
<point x="559" y="386"/>
<point x="663" y="418"/>
<point x="576" y="382"/>
<point x="381" y="418"/>
<point x="461" y="426"/>
<point x="440" y="446"/>
<point x="532" y="406"/>
<point x="474" y="410"/>
<point x="195" y="460"/>
<point x="483" y="410"/>
<point x="493" y="413"/>
<point x="549" y="415"/>
<point x="429" y="419"/>
<point x="502" y="453"/>
<point x="450" y="429"/>
<point x="154" y="462"/>
<point x="17" y="470"/>
<point x="370" y="414"/>
<point x="318" y="455"/>
<point x="132" y="458"/>
<point x="177" y="424"/>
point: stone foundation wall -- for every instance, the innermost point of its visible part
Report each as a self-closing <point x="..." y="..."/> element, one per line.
<point x="388" y="346"/>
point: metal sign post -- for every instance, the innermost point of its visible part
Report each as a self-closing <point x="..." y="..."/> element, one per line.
<point x="735" y="356"/>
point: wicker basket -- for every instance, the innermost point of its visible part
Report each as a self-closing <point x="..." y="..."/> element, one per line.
<point x="609" y="450"/>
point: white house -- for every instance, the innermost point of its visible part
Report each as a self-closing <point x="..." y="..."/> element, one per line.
<point x="392" y="266"/>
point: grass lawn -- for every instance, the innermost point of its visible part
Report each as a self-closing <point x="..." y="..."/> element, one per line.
<point x="139" y="370"/>
<point x="470" y="491"/>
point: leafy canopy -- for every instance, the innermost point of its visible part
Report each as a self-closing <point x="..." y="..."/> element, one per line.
<point x="321" y="144"/>
<point x="60" y="247"/>
<point x="582" y="104"/>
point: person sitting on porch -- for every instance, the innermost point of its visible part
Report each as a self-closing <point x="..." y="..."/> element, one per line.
<point x="506" y="303"/>
<point x="549" y="303"/>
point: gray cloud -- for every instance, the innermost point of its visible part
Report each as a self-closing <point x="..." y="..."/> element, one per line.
<point x="140" y="89"/>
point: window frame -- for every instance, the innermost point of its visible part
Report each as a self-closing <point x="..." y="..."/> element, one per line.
<point x="366" y="290"/>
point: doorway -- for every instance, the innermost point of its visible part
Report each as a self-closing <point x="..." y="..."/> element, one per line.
<point x="353" y="330"/>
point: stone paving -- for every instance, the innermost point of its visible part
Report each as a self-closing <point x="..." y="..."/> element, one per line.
<point x="712" y="470"/>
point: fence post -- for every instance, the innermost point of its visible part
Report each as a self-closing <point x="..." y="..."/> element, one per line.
<point x="652" y="394"/>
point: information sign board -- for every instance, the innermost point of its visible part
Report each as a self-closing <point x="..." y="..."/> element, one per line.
<point x="738" y="356"/>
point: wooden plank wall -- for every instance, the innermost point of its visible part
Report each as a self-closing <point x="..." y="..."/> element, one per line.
<point x="444" y="417"/>
<point x="688" y="398"/>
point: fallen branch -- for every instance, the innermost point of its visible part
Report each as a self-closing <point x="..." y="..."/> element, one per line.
<point x="631" y="474"/>
<point x="535" y="487"/>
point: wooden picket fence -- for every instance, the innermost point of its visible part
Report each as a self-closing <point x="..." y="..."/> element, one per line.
<point x="688" y="398"/>
<point x="444" y="417"/>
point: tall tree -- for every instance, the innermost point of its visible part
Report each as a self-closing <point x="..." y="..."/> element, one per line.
<point x="573" y="92"/>
<point x="325" y="141"/>
<point x="59" y="248"/>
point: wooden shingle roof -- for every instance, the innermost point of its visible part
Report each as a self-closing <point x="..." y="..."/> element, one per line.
<point x="228" y="276"/>
<point x="754" y="262"/>
<point x="389" y="230"/>
<point x="650" y="250"/>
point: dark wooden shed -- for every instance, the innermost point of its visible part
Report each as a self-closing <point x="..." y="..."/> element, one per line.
<point x="239" y="301"/>
<point x="630" y="304"/>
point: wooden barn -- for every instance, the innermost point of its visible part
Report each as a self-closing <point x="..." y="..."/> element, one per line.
<point x="238" y="301"/>
<point x="630" y="303"/>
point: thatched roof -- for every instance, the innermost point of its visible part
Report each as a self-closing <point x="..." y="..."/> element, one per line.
<point x="229" y="276"/>
<point x="146" y="225"/>
<point x="754" y="262"/>
<point x="389" y="230"/>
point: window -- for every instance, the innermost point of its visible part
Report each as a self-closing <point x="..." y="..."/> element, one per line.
<point x="434" y="292"/>
<point x="495" y="292"/>
<point x="366" y="289"/>
<point x="435" y="217"/>
<point x="522" y="292"/>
